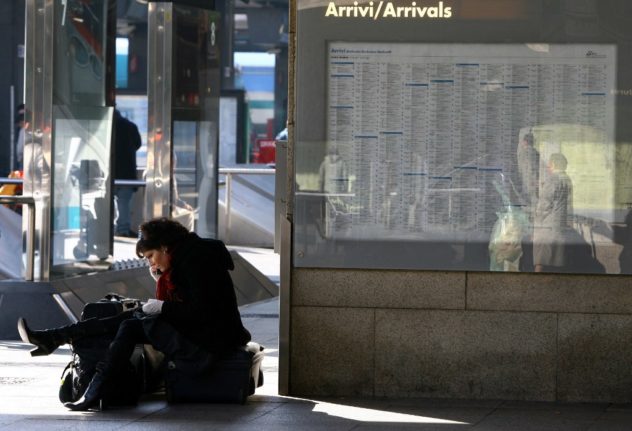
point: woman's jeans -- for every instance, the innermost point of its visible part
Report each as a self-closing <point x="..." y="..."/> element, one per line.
<point x="133" y="327"/>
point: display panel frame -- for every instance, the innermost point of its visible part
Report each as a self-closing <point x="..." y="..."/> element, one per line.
<point x="325" y="236"/>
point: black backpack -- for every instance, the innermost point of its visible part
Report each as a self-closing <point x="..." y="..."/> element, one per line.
<point x="126" y="386"/>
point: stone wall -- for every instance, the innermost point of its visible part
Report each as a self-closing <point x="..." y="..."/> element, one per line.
<point x="461" y="335"/>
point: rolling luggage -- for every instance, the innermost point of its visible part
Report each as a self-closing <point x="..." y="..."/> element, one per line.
<point x="231" y="378"/>
<point x="128" y="385"/>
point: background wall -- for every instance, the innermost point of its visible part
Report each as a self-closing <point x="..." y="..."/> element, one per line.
<point x="481" y="335"/>
<point x="461" y="335"/>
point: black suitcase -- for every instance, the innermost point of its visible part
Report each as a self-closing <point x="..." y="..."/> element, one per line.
<point x="127" y="386"/>
<point x="231" y="379"/>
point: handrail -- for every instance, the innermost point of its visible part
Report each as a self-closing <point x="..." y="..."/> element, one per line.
<point x="5" y="180"/>
<point x="120" y="183"/>
<point x="229" y="172"/>
<point x="254" y="187"/>
<point x="30" y="202"/>
<point x="30" y="231"/>
<point x="130" y="183"/>
<point x="247" y="171"/>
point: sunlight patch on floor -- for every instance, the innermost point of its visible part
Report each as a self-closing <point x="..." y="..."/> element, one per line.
<point x="372" y="415"/>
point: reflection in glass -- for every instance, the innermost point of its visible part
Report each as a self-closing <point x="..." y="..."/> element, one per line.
<point x="184" y="189"/>
<point x="553" y="218"/>
<point x="195" y="114"/>
<point x="81" y="196"/>
<point x="135" y="108"/>
<point x="446" y="148"/>
<point x="80" y="39"/>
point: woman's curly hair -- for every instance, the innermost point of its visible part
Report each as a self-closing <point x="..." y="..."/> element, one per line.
<point x="158" y="233"/>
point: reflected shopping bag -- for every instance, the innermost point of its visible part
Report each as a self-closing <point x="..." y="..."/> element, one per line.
<point x="505" y="244"/>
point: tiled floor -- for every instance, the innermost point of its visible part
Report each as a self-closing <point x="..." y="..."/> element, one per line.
<point x="28" y="398"/>
<point x="28" y="401"/>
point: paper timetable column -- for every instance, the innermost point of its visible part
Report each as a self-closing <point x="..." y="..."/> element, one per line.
<point x="415" y="150"/>
<point x="464" y="146"/>
<point x="365" y="142"/>
<point x="489" y="160"/>
<point x="441" y="133"/>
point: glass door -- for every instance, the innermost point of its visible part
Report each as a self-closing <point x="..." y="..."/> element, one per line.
<point x="184" y="91"/>
<point x="82" y="132"/>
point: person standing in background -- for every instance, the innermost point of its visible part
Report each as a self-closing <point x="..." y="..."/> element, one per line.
<point x="553" y="218"/>
<point x="20" y="128"/>
<point x="529" y="170"/>
<point x="126" y="142"/>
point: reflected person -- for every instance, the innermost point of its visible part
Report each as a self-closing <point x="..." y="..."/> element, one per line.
<point x="529" y="170"/>
<point x="126" y="142"/>
<point x="333" y="174"/>
<point x="553" y="218"/>
<point x="20" y="127"/>
<point x="36" y="168"/>
<point x="333" y="182"/>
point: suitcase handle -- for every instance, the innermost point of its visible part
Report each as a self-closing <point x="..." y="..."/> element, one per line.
<point x="114" y="297"/>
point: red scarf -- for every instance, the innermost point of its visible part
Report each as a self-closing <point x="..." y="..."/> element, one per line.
<point x="165" y="289"/>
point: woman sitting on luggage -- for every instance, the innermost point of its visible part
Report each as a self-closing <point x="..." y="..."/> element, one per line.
<point x="194" y="297"/>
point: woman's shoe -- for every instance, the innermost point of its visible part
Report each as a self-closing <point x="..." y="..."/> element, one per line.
<point x="50" y="339"/>
<point x="46" y="341"/>
<point x="91" y="396"/>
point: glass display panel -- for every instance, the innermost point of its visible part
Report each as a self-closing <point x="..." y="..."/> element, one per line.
<point x="228" y="115"/>
<point x="184" y="163"/>
<point x="81" y="189"/>
<point x="463" y="156"/>
<point x="80" y="42"/>
<point x="206" y="211"/>
<point x="195" y="118"/>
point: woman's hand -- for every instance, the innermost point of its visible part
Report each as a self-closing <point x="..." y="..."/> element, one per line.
<point x="153" y="306"/>
<point x="154" y="274"/>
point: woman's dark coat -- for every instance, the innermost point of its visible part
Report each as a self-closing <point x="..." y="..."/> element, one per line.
<point x="207" y="313"/>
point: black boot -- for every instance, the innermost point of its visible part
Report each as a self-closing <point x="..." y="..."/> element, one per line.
<point x="48" y="340"/>
<point x="93" y="393"/>
<point x="116" y="356"/>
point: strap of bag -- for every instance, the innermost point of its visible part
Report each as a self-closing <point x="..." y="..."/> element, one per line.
<point x="128" y="303"/>
<point x="70" y="365"/>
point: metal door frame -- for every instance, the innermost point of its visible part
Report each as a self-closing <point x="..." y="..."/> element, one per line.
<point x="159" y="94"/>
